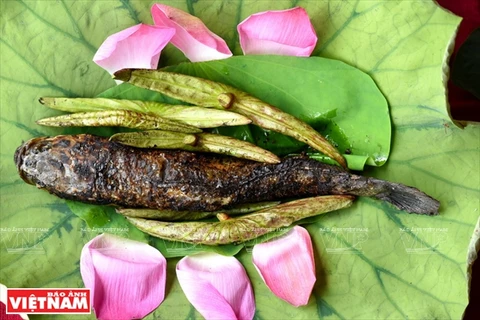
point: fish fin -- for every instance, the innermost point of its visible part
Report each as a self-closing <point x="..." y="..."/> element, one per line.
<point x="409" y="199"/>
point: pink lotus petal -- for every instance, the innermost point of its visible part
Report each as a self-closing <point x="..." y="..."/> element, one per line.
<point x="287" y="266"/>
<point x="217" y="286"/>
<point x="192" y="37"/>
<point x="284" y="32"/>
<point x="135" y="47"/>
<point x="126" y="277"/>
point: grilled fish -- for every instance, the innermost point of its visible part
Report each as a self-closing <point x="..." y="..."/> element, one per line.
<point x="93" y="169"/>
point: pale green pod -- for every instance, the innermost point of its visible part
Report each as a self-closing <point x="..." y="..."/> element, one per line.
<point x="244" y="228"/>
<point x="164" y="215"/>
<point x="91" y="104"/>
<point x="192" y="115"/>
<point x="215" y="143"/>
<point x="162" y="139"/>
<point x="119" y="118"/>
<point x="172" y="215"/>
<point x="208" y="93"/>
<point x="250" y="207"/>
<point x="202" y="117"/>
<point x="204" y="142"/>
<point x="197" y="91"/>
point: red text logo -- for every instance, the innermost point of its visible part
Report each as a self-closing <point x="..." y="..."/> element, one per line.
<point x="47" y="301"/>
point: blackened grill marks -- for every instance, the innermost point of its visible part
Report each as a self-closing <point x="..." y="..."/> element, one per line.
<point x="64" y="143"/>
<point x="275" y="181"/>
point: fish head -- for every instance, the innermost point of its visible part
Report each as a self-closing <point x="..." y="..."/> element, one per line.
<point x="36" y="164"/>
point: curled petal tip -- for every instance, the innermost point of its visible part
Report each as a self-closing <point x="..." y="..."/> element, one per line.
<point x="217" y="286"/>
<point x="192" y="37"/>
<point x="135" y="47"/>
<point x="126" y="277"/>
<point x="287" y="266"/>
<point x="283" y="32"/>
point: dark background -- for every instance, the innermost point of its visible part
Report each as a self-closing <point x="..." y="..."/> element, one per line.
<point x="464" y="106"/>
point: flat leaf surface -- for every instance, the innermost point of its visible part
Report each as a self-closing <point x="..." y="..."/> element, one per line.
<point x="372" y="261"/>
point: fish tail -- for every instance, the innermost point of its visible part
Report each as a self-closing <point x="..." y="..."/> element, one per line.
<point x="406" y="198"/>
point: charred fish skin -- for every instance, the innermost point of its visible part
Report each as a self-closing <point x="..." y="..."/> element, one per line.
<point x="93" y="169"/>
